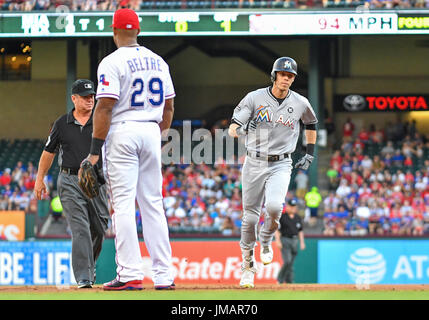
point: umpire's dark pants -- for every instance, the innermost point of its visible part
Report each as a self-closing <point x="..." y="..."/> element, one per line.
<point x="88" y="221"/>
<point x="289" y="252"/>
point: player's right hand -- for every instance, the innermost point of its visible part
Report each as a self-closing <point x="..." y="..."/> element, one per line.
<point x="39" y="189"/>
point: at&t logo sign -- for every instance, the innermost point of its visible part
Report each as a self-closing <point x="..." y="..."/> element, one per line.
<point x="366" y="266"/>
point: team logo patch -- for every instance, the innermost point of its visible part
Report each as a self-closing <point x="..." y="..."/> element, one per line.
<point x="288" y="64"/>
<point x="103" y="80"/>
<point x="290" y="109"/>
<point x="262" y="114"/>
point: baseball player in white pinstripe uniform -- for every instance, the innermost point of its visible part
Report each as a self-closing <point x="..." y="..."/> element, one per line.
<point x="270" y="118"/>
<point x="135" y="103"/>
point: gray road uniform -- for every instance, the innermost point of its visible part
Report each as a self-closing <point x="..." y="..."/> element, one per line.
<point x="268" y="165"/>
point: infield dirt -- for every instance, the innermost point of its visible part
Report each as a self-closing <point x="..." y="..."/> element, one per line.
<point x="274" y="287"/>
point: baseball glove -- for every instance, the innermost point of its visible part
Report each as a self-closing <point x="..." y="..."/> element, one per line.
<point x="89" y="179"/>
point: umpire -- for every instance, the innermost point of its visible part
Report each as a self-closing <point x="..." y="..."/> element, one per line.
<point x="287" y="236"/>
<point x="71" y="136"/>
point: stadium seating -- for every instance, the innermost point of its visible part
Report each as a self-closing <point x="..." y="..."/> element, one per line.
<point x="16" y="5"/>
<point x="24" y="150"/>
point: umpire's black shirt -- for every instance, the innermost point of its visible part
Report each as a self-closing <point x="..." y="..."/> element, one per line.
<point x="71" y="139"/>
<point x="290" y="227"/>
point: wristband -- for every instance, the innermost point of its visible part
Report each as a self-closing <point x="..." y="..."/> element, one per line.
<point x="310" y="148"/>
<point x="96" y="145"/>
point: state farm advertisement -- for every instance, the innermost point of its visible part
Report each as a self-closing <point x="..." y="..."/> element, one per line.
<point x="371" y="103"/>
<point x="212" y="262"/>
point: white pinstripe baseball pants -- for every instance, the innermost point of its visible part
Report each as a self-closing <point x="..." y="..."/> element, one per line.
<point x="132" y="165"/>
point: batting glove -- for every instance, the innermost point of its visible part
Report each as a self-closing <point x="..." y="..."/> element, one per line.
<point x="304" y="162"/>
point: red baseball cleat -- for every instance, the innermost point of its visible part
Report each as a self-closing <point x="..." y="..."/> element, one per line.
<point x="118" y="285"/>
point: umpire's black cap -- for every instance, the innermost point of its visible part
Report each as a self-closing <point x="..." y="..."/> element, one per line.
<point x="292" y="202"/>
<point x="83" y="87"/>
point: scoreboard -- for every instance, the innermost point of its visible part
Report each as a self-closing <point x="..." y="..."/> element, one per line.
<point x="63" y="23"/>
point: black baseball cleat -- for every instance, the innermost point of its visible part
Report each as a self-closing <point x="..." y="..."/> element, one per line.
<point x="167" y="287"/>
<point x="84" y="284"/>
<point x="118" y="285"/>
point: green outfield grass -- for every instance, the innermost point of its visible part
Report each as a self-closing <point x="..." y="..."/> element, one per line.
<point x="218" y="294"/>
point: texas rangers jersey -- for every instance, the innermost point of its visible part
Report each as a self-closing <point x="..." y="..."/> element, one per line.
<point x="278" y="125"/>
<point x="139" y="79"/>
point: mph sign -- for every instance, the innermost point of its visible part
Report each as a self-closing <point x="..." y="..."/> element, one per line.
<point x="373" y="261"/>
<point x="211" y="262"/>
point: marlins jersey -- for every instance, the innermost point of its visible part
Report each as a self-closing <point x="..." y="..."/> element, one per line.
<point x="139" y="79"/>
<point x="278" y="125"/>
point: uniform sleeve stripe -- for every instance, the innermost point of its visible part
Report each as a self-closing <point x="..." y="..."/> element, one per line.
<point x="171" y="95"/>
<point x="238" y="122"/>
<point x="108" y="95"/>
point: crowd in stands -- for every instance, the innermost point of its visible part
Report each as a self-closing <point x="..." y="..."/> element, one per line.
<point x="111" y="5"/>
<point x="203" y="197"/>
<point x="16" y="186"/>
<point x="379" y="182"/>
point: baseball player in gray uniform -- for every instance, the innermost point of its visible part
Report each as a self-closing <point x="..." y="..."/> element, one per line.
<point x="270" y="119"/>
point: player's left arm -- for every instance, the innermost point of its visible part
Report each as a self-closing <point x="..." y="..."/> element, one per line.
<point x="167" y="116"/>
<point x="310" y="138"/>
<point x="101" y="124"/>
<point x="310" y="120"/>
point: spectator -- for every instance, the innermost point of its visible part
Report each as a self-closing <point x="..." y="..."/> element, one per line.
<point x="398" y="158"/>
<point x="331" y="201"/>
<point x="364" y="136"/>
<point x="342" y="215"/>
<point x="173" y="220"/>
<point x="387" y="149"/>
<point x="78" y="5"/>
<point x="301" y="180"/>
<point x="375" y="136"/>
<point x="6" y="178"/>
<point x="135" y="5"/>
<point x="343" y="190"/>
<point x="228" y="227"/>
<point x="333" y="177"/>
<point x="176" y="210"/>
<point x="366" y="162"/>
<point x="336" y="159"/>
<point x="362" y="211"/>
<point x="56" y="208"/>
<point x="390" y="131"/>
<point x="377" y="163"/>
<point x="90" y="5"/>
<point x="312" y="201"/>
<point x="348" y="130"/>
<point x="29" y="5"/>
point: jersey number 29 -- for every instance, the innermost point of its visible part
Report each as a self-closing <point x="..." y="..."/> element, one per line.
<point x="155" y="88"/>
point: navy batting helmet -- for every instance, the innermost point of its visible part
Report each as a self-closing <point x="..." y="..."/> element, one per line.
<point x="284" y="64"/>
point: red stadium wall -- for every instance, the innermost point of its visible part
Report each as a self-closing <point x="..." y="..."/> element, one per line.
<point x="211" y="262"/>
